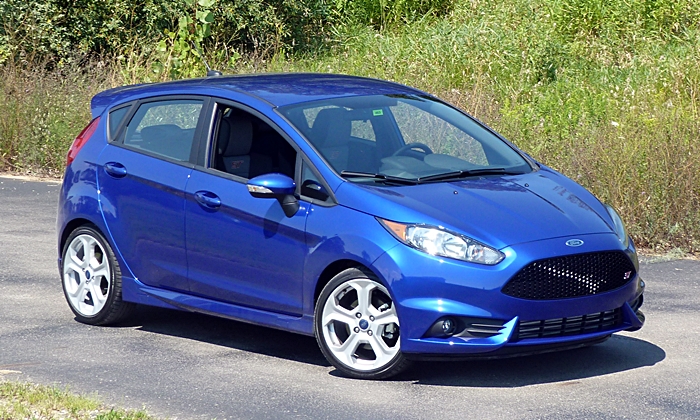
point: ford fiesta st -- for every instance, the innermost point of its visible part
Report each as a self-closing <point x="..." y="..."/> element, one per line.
<point x="387" y="223"/>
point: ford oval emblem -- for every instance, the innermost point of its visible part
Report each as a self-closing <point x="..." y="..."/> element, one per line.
<point x="574" y="242"/>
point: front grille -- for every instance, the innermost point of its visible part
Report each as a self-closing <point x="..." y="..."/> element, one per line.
<point x="559" y="327"/>
<point x="571" y="276"/>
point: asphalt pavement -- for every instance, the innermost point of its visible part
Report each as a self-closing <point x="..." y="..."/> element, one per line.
<point x="188" y="366"/>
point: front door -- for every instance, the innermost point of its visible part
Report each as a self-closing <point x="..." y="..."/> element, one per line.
<point x="241" y="249"/>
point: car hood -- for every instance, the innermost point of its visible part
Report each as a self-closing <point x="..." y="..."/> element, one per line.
<point x="496" y="210"/>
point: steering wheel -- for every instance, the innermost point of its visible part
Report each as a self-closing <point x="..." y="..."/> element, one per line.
<point x="423" y="147"/>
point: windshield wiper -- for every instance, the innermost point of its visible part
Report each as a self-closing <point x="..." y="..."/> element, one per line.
<point x="465" y="174"/>
<point x="387" y="179"/>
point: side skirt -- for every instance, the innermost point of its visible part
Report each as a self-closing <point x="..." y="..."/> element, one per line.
<point x="135" y="291"/>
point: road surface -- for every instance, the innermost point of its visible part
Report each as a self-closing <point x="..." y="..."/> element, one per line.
<point x="188" y="366"/>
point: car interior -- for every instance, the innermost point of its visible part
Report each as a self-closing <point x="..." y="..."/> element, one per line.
<point x="247" y="146"/>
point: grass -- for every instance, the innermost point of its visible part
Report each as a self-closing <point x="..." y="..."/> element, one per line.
<point x="617" y="113"/>
<point x="604" y="91"/>
<point x="27" y="401"/>
<point x="42" y="111"/>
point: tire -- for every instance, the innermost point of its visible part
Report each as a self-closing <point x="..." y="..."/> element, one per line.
<point x="357" y="327"/>
<point x="91" y="279"/>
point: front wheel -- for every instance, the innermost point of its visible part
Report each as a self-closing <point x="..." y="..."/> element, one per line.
<point x="92" y="281"/>
<point x="357" y="327"/>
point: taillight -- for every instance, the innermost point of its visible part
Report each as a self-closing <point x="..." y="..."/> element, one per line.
<point x="80" y="141"/>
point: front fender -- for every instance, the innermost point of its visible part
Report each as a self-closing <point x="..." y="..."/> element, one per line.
<point x="340" y="233"/>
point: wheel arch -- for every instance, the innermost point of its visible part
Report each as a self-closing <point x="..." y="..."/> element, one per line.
<point x="73" y="225"/>
<point x="337" y="267"/>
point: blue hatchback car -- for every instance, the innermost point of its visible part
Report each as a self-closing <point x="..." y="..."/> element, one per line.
<point x="383" y="221"/>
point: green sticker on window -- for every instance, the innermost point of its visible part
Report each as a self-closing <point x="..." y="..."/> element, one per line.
<point x="377" y="112"/>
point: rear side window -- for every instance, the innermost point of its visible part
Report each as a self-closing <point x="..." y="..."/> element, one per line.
<point x="166" y="128"/>
<point x="115" y="119"/>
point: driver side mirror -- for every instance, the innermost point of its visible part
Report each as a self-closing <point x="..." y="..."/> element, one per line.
<point x="276" y="186"/>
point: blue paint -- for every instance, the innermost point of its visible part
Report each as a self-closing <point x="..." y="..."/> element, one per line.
<point x="189" y="237"/>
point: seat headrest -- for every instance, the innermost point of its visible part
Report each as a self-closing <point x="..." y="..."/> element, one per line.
<point x="235" y="135"/>
<point x="331" y="128"/>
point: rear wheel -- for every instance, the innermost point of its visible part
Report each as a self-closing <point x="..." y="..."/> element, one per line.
<point x="357" y="327"/>
<point x="92" y="281"/>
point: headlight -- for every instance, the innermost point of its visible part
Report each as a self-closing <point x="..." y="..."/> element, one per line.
<point x="437" y="241"/>
<point x="618" y="226"/>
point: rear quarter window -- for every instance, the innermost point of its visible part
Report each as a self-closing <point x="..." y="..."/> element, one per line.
<point x="115" y="119"/>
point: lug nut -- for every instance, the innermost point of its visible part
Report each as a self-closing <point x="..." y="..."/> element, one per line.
<point x="358" y="315"/>
<point x="371" y="318"/>
<point x="356" y="329"/>
<point x="369" y="332"/>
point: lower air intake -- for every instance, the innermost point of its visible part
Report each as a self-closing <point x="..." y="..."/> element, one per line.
<point x="560" y="327"/>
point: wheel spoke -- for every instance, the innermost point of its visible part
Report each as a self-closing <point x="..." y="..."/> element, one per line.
<point x="82" y="263"/>
<point x="96" y="265"/>
<point x="85" y="241"/>
<point x="364" y="293"/>
<point x="73" y="267"/>
<point x="78" y="295"/>
<point x="386" y="317"/>
<point x="90" y="253"/>
<point x="98" y="299"/>
<point x="348" y="348"/>
<point x="382" y="352"/>
<point x="335" y="312"/>
<point x="102" y="271"/>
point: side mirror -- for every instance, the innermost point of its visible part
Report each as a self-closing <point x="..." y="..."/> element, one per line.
<point x="276" y="186"/>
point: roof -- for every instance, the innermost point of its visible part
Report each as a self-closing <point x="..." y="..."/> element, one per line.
<point x="278" y="89"/>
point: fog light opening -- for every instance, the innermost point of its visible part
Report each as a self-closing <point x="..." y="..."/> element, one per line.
<point x="449" y="326"/>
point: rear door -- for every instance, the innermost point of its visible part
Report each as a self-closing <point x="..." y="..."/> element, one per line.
<point x="142" y="175"/>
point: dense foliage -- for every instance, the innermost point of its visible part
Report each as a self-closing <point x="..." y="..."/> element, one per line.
<point x="58" y="30"/>
<point x="605" y="91"/>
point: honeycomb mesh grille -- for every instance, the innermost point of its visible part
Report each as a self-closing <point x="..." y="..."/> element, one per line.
<point x="560" y="327"/>
<point x="571" y="276"/>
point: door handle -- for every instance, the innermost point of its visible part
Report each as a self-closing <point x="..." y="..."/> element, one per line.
<point x="208" y="199"/>
<point x="115" y="169"/>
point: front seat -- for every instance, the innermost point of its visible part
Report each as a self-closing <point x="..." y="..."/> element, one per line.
<point x="330" y="134"/>
<point x="234" y="149"/>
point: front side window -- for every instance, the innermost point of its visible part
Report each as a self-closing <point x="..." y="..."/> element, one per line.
<point x="166" y="128"/>
<point x="407" y="137"/>
<point x="246" y="146"/>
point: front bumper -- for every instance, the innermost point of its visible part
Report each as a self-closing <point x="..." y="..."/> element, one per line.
<point x="427" y="289"/>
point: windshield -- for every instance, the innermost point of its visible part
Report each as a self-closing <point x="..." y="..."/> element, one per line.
<point x="390" y="138"/>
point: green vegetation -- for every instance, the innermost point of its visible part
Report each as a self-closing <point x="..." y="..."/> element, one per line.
<point x="605" y="91"/>
<point x="25" y="401"/>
